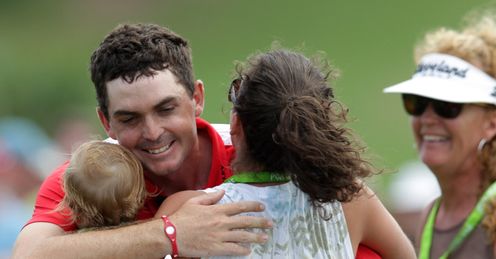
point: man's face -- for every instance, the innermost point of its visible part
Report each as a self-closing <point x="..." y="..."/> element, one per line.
<point x="154" y="117"/>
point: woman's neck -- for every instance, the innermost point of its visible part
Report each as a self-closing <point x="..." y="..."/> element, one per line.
<point x="460" y="194"/>
<point x="259" y="178"/>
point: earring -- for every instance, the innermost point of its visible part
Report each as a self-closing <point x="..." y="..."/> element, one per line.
<point x="481" y="145"/>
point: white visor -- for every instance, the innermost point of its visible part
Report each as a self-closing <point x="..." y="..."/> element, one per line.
<point x="448" y="78"/>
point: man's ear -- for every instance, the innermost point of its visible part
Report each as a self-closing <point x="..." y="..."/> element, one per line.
<point x="199" y="97"/>
<point x="105" y="123"/>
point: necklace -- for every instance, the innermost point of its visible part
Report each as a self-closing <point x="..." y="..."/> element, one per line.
<point x="258" y="177"/>
<point x="469" y="225"/>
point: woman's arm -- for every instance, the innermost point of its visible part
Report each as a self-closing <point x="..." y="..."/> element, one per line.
<point x="370" y="224"/>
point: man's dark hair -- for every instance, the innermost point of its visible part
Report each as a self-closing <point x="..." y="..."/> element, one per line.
<point x="134" y="50"/>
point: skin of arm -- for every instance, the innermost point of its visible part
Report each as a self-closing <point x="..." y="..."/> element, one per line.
<point x="202" y="229"/>
<point x="175" y="201"/>
<point x="370" y="223"/>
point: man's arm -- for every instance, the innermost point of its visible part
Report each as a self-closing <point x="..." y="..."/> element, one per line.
<point x="46" y="240"/>
<point x="202" y="229"/>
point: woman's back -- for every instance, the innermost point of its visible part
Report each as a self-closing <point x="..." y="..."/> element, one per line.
<point x="299" y="230"/>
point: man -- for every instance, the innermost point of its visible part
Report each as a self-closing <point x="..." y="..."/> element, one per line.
<point x="149" y="102"/>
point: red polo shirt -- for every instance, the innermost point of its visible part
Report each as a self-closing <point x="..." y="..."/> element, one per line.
<point x="51" y="192"/>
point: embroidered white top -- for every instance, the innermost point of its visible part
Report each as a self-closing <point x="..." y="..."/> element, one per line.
<point x="299" y="231"/>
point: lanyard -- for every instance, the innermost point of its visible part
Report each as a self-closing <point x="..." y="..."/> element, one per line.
<point x="258" y="177"/>
<point x="468" y="226"/>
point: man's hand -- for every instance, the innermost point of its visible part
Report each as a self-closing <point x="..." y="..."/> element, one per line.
<point x="204" y="229"/>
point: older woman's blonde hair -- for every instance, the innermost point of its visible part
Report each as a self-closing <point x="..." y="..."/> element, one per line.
<point x="104" y="185"/>
<point x="476" y="44"/>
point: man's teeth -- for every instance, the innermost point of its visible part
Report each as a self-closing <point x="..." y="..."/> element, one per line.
<point x="160" y="150"/>
<point x="433" y="138"/>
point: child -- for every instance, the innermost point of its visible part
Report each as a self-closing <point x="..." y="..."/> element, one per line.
<point x="104" y="185"/>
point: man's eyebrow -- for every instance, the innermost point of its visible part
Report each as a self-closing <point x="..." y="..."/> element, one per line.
<point x="124" y="113"/>
<point x="165" y="101"/>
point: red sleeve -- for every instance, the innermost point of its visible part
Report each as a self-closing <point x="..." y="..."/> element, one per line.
<point x="47" y="200"/>
<point x="365" y="252"/>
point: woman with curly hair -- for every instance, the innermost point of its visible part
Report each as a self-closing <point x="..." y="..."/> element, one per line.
<point x="451" y="100"/>
<point x="295" y="155"/>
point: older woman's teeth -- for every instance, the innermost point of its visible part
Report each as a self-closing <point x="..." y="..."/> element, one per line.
<point x="434" y="138"/>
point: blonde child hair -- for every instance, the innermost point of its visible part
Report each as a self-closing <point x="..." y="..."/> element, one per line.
<point x="104" y="185"/>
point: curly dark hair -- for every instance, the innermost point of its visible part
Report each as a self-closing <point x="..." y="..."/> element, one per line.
<point x="134" y="50"/>
<point x="294" y="126"/>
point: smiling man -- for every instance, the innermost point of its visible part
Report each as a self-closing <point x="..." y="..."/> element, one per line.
<point x="155" y="117"/>
<point x="150" y="103"/>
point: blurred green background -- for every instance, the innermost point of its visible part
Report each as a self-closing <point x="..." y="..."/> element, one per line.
<point x="45" y="48"/>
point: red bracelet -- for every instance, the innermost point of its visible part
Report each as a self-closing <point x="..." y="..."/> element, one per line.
<point x="170" y="232"/>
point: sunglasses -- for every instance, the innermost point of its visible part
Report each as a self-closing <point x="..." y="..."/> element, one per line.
<point x="416" y="105"/>
<point x="232" y="95"/>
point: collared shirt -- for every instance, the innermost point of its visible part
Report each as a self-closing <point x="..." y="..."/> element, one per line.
<point x="51" y="192"/>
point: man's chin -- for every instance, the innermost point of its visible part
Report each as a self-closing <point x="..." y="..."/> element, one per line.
<point x="160" y="170"/>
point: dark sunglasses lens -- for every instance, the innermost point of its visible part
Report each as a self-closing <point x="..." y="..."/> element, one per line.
<point x="447" y="110"/>
<point x="233" y="89"/>
<point x="414" y="105"/>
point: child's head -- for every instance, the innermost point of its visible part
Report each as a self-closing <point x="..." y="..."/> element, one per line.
<point x="104" y="185"/>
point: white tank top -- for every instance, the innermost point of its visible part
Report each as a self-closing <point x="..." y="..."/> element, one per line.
<point x="299" y="231"/>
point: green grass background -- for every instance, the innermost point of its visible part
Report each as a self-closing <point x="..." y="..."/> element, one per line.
<point x="45" y="48"/>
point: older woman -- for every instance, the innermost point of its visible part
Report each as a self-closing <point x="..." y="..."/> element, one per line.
<point x="451" y="99"/>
